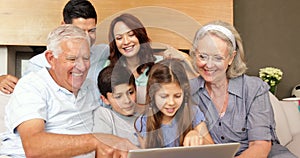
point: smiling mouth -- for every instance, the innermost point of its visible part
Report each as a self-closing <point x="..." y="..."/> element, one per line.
<point x="170" y="110"/>
<point x="76" y="74"/>
<point x="128" y="49"/>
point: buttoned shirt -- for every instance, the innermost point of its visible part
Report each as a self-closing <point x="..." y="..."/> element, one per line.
<point x="99" y="55"/>
<point x="38" y="96"/>
<point x="248" y="117"/>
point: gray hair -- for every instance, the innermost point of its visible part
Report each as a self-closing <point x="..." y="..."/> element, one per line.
<point x="238" y="66"/>
<point x="61" y="33"/>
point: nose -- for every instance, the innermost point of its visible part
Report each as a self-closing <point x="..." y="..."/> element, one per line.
<point x="81" y="65"/>
<point x="127" y="99"/>
<point x="171" y="101"/>
<point x="126" y="39"/>
<point x="209" y="62"/>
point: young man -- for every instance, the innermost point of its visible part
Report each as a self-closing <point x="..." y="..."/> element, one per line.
<point x="117" y="86"/>
<point x="50" y="112"/>
<point x="82" y="14"/>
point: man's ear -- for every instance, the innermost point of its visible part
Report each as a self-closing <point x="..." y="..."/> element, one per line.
<point x="49" y="56"/>
<point x="62" y="22"/>
<point x="105" y="100"/>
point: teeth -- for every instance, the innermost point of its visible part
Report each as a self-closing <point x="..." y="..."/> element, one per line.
<point x="128" y="48"/>
<point x="77" y="74"/>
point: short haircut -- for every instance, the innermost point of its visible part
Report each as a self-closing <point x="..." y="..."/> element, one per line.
<point x="113" y="76"/>
<point x="62" y="33"/>
<point x="78" y="9"/>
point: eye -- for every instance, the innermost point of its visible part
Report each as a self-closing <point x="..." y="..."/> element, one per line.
<point x="92" y="30"/>
<point x="163" y="96"/>
<point x="117" y="96"/>
<point x="118" y="38"/>
<point x="131" y="91"/>
<point x="218" y="58"/>
<point x="131" y="33"/>
<point x="178" y="95"/>
<point x="71" y="58"/>
<point x="87" y="58"/>
<point x="203" y="56"/>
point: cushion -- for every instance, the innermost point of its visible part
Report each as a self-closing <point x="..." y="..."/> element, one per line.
<point x="282" y="126"/>
<point x="293" y="115"/>
<point x="294" y="145"/>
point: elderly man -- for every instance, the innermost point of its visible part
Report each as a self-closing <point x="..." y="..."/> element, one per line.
<point x="50" y="112"/>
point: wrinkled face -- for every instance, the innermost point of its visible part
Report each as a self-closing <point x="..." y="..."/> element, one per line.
<point x="168" y="100"/>
<point x="88" y="26"/>
<point x="70" y="68"/>
<point x="126" y="41"/>
<point x="123" y="99"/>
<point x="212" y="58"/>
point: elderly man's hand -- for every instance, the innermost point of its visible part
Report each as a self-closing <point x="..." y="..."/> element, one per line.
<point x="111" y="146"/>
<point x="8" y="83"/>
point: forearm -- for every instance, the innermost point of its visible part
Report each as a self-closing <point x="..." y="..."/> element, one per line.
<point x="257" y="149"/>
<point x="43" y="145"/>
<point x="203" y="131"/>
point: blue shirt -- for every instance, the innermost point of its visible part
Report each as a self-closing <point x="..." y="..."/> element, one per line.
<point x="38" y="96"/>
<point x="248" y="117"/>
<point x="170" y="135"/>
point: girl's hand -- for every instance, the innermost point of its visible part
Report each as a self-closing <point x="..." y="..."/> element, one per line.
<point x="193" y="139"/>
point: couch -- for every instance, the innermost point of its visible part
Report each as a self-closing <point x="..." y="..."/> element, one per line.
<point x="287" y="117"/>
<point x="286" y="113"/>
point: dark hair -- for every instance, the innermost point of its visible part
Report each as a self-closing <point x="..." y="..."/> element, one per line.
<point x="167" y="71"/>
<point x="113" y="76"/>
<point x="78" y="9"/>
<point x="145" y="53"/>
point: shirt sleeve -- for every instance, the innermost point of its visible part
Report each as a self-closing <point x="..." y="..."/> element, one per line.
<point x="260" y="116"/>
<point x="27" y="102"/>
<point x="102" y="121"/>
<point x="140" y="125"/>
<point x="198" y="116"/>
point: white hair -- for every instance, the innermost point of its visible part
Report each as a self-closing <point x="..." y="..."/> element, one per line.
<point x="61" y="33"/>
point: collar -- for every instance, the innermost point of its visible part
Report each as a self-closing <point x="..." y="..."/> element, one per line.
<point x="234" y="86"/>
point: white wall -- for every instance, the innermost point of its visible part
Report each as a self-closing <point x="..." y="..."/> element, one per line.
<point x="3" y="60"/>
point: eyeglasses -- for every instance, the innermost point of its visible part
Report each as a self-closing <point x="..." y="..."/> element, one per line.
<point x="205" y="57"/>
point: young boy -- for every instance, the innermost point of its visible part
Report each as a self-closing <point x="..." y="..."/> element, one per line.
<point x="118" y="91"/>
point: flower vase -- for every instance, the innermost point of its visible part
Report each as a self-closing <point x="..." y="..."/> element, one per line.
<point x="273" y="89"/>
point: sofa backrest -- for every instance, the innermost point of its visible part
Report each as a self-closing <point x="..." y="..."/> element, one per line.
<point x="293" y="115"/>
<point x="282" y="125"/>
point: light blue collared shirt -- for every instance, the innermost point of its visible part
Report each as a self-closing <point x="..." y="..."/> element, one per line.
<point x="98" y="58"/>
<point x="38" y="96"/>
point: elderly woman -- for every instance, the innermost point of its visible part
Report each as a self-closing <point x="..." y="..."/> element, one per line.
<point x="236" y="106"/>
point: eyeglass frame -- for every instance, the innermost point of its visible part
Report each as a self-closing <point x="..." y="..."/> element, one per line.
<point x="214" y="58"/>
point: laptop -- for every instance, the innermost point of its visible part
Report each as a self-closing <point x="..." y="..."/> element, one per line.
<point x="227" y="150"/>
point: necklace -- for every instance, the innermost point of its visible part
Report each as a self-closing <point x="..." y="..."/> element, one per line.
<point x="220" y="101"/>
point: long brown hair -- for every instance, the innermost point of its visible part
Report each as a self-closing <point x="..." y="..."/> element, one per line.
<point x="145" y="53"/>
<point x="166" y="71"/>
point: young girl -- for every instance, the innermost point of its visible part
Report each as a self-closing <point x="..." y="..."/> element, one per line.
<point x="171" y="119"/>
